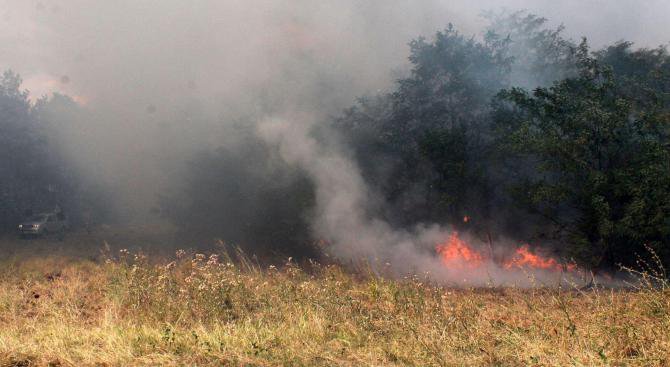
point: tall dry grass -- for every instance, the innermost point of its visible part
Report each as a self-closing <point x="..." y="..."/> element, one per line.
<point x="211" y="310"/>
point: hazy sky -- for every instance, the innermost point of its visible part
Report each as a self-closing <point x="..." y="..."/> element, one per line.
<point x="114" y="43"/>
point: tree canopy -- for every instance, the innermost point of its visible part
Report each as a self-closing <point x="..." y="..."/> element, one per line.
<point x="529" y="134"/>
<point x="533" y="135"/>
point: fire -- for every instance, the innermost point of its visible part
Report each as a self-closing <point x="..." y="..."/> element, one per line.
<point x="524" y="258"/>
<point x="456" y="253"/>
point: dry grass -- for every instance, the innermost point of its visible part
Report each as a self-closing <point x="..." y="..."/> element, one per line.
<point x="201" y="310"/>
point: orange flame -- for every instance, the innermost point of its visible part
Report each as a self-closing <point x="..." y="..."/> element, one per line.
<point x="456" y="253"/>
<point x="525" y="258"/>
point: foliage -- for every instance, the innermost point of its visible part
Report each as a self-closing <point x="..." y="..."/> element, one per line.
<point x="540" y="55"/>
<point x="581" y="161"/>
<point x="30" y="177"/>
<point x="427" y="146"/>
<point x="642" y="75"/>
<point x="601" y="167"/>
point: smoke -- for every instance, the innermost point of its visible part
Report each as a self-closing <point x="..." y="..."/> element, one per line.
<point x="346" y="221"/>
<point x="162" y="80"/>
<point x="342" y="216"/>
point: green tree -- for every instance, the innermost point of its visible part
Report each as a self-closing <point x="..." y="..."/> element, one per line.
<point x="541" y="55"/>
<point x="426" y="146"/>
<point x="22" y="153"/>
<point x="642" y="74"/>
<point x="591" y="161"/>
<point x="34" y="174"/>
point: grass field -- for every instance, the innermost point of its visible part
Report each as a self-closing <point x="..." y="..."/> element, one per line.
<point x="124" y="309"/>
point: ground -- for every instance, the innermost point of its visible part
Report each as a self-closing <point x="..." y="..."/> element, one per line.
<point x="81" y="302"/>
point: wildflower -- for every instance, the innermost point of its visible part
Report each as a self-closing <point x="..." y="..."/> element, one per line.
<point x="213" y="259"/>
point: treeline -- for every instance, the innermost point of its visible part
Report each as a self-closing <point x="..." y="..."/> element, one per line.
<point x="529" y="135"/>
<point x="35" y="175"/>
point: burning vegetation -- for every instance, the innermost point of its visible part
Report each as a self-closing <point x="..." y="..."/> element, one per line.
<point x="456" y="253"/>
<point x="523" y="257"/>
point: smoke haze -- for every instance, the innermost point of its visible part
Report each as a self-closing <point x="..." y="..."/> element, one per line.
<point x="163" y="80"/>
<point x="163" y="77"/>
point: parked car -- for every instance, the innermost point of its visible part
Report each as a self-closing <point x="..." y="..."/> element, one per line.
<point x="44" y="224"/>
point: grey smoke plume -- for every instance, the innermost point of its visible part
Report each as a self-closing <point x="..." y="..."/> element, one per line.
<point x="162" y="79"/>
<point x="344" y="220"/>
